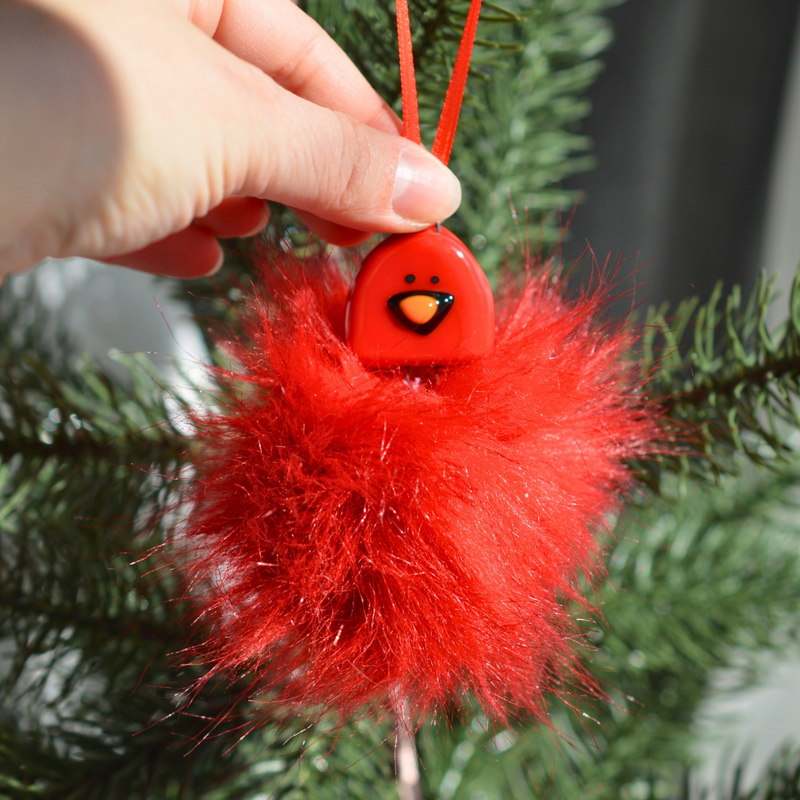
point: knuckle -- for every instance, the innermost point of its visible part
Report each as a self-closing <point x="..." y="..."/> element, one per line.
<point x="299" y="71"/>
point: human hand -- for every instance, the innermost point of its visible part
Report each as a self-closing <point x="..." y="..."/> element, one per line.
<point x="141" y="129"/>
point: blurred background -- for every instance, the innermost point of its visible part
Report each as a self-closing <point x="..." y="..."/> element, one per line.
<point x="696" y="125"/>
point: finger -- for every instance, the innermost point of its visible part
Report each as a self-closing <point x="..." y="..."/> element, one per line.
<point x="283" y="41"/>
<point x="190" y="253"/>
<point x="235" y="216"/>
<point x="318" y="160"/>
<point x="331" y="232"/>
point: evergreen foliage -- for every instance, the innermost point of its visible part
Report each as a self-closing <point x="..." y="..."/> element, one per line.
<point x="518" y="136"/>
<point x="96" y="701"/>
<point x="780" y="781"/>
<point x="721" y="368"/>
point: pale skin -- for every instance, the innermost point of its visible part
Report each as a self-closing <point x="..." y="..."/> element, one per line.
<point x="139" y="131"/>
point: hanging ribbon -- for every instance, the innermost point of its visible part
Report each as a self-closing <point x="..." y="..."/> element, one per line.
<point x="448" y="122"/>
<point x="408" y="81"/>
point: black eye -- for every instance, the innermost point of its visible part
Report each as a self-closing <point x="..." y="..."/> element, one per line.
<point x="410" y="278"/>
<point x="435" y="279"/>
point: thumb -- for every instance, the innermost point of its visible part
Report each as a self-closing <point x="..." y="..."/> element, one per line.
<point x="334" y="167"/>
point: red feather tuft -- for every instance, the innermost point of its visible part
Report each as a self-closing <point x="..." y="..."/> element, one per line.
<point x="362" y="537"/>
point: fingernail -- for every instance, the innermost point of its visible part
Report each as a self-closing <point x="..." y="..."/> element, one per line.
<point x="425" y="191"/>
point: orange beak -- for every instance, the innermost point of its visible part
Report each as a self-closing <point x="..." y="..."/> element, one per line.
<point x="421" y="312"/>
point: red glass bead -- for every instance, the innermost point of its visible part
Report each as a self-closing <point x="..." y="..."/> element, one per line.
<point x="420" y="299"/>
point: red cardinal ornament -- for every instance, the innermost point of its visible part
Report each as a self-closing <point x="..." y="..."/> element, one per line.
<point x="361" y="537"/>
<point x="400" y="512"/>
<point x="420" y="299"/>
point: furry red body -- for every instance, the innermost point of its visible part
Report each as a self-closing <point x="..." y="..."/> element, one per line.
<point x="363" y="536"/>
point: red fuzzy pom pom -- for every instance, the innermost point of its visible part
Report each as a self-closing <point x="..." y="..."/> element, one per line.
<point x="361" y="537"/>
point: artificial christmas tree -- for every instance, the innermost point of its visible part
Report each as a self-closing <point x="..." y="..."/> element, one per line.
<point x="102" y="694"/>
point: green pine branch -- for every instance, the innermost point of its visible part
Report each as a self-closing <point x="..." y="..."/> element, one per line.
<point x="93" y="702"/>
<point x="519" y="133"/>
<point x="53" y="404"/>
<point x="86" y="625"/>
<point x="727" y="377"/>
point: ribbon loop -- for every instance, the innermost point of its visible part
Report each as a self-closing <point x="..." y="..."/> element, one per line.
<point x="408" y="81"/>
<point x="448" y="122"/>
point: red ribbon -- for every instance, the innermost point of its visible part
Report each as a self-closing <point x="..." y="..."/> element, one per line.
<point x="448" y="122"/>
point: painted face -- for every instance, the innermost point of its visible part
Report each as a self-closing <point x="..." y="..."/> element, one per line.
<point x="420" y="299"/>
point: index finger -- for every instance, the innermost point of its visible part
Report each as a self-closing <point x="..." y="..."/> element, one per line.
<point x="290" y="47"/>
